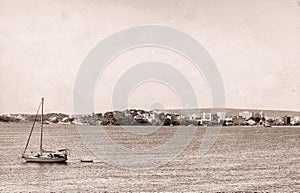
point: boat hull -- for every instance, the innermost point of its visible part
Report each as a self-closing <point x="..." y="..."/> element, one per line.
<point x="42" y="159"/>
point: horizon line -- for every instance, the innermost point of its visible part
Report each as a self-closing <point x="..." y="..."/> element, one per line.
<point x="170" y="109"/>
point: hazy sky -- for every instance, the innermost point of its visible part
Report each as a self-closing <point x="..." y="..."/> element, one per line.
<point x="255" y="45"/>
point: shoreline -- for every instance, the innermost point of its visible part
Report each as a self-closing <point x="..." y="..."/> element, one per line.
<point x="145" y="126"/>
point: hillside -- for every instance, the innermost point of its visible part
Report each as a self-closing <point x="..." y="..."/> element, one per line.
<point x="235" y="112"/>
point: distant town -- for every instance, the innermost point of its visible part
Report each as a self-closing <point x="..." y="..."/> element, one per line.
<point x="159" y="117"/>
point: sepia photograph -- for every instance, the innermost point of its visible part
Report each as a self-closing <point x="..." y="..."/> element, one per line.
<point x="149" y="96"/>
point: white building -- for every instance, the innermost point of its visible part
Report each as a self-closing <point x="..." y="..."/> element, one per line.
<point x="246" y="114"/>
<point x="207" y="116"/>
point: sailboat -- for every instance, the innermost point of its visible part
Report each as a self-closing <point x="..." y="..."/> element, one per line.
<point x="44" y="156"/>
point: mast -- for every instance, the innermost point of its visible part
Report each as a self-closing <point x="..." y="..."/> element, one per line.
<point x="42" y="122"/>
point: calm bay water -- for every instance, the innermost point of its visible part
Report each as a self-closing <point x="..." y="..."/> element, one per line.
<point x="242" y="159"/>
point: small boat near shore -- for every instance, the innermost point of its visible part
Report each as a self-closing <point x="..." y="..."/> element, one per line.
<point x="87" y="160"/>
<point x="267" y="125"/>
<point x="44" y="156"/>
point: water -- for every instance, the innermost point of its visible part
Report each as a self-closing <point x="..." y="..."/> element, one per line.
<point x="242" y="159"/>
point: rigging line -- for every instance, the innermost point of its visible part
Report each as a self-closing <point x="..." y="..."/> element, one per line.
<point x="35" y="118"/>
